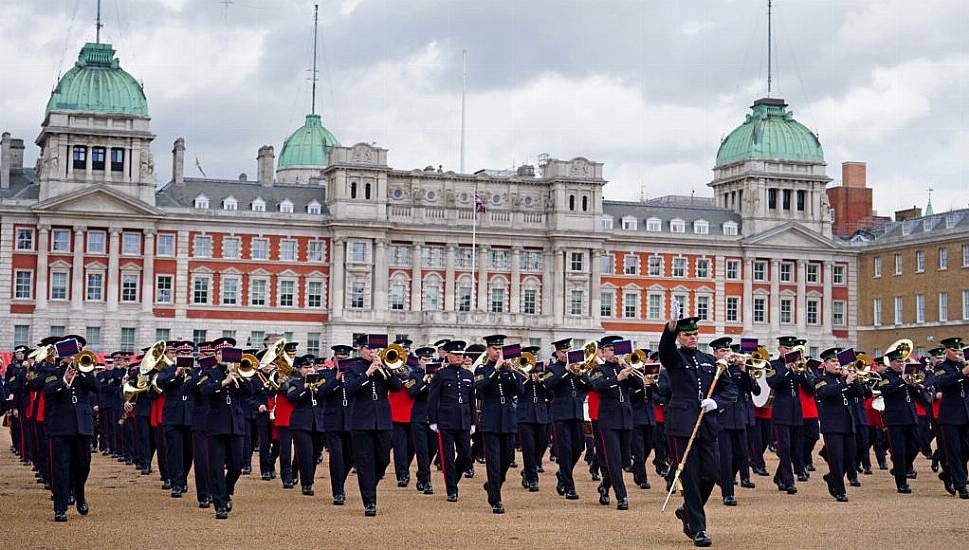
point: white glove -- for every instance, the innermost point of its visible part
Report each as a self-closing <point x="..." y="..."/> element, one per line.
<point x="708" y="405"/>
<point x="473" y="427"/>
<point x="434" y="428"/>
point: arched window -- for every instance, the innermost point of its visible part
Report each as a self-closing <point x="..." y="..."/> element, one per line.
<point x="366" y="192"/>
<point x="585" y="204"/>
<point x="571" y="202"/>
<point x="353" y="189"/>
<point x="432" y="292"/>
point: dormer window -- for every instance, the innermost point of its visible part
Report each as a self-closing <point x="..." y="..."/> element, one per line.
<point x="258" y="205"/>
<point x="286" y="206"/>
<point x="313" y="208"/>
<point x="730" y="228"/>
<point x="201" y="201"/>
<point x="629" y="223"/>
<point x="654" y="224"/>
<point x="701" y="227"/>
<point x="677" y="225"/>
<point x="607" y="222"/>
<point x="230" y="203"/>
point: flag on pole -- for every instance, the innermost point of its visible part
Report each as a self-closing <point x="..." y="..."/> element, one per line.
<point x="478" y="203"/>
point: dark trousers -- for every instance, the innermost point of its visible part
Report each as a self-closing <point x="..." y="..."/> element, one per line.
<point x="904" y="447"/>
<point x="158" y="436"/>
<point x="247" y="443"/>
<point x="614" y="445"/>
<point x="15" y="435"/>
<point x="200" y="454"/>
<point x="700" y="472"/>
<point x="661" y="454"/>
<point x="131" y="449"/>
<point x="178" y="441"/>
<point x="757" y="436"/>
<point x="338" y="443"/>
<point x="533" y="441"/>
<point x="862" y="456"/>
<point x="42" y="452"/>
<point x="27" y="436"/>
<point x="789" y="446"/>
<point x="955" y="449"/>
<point x="454" y="448"/>
<point x="733" y="457"/>
<point x="924" y="436"/>
<point x="640" y="444"/>
<point x="105" y="432"/>
<point x="598" y="464"/>
<point x="839" y="452"/>
<point x="308" y="446"/>
<point x="225" y="466"/>
<point x="423" y="449"/>
<point x="71" y="460"/>
<point x="569" y="441"/>
<point x="371" y="456"/>
<point x="266" y="462"/>
<point x="499" y="449"/>
<point x="811" y="434"/>
<point x="285" y="454"/>
<point x="403" y="445"/>
<point x="144" y="444"/>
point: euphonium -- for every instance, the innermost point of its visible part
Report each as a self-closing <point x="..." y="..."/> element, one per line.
<point x="905" y="345"/>
<point x="154" y="359"/>
<point x="85" y="361"/>
<point x="393" y="357"/>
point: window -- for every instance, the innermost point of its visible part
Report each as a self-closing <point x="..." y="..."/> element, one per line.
<point x="21" y="335"/>
<point x="203" y="246"/>
<point x="260" y="249"/>
<point x="898" y="264"/>
<point x="630" y="305"/>
<point x="965" y="305"/>
<point x="287" y="293"/>
<point x="229" y="203"/>
<point x="838" y="274"/>
<point x="94" y="287"/>
<point x="398" y="294"/>
<point x="358" y="252"/>
<point x="117" y="159"/>
<point x="571" y="202"/>
<point x="163" y="289"/>
<point x="898" y="310"/>
<point x="702" y="268"/>
<point x="654" y="225"/>
<point x="97" y="158"/>
<point x="838" y="313"/>
<point x="23" y="285"/>
<point x="679" y="267"/>
<point x="129" y="287"/>
<point x="919" y="262"/>
<point x="813" y="273"/>
<point x="813" y="308"/>
<point x="56" y="330"/>
<point x="231" y="247"/>
<point x="733" y="269"/>
<point x="432" y="296"/>
<point x="357" y="289"/>
<point x="684" y="302"/>
<point x="314" y="294"/>
<point x="943" y="259"/>
<point x="733" y="307"/>
<point x="532" y="260"/>
<point x="653" y="302"/>
<point x="230" y="291"/>
<point x="760" y="310"/>
<point x="58" y="285"/>
<point x="131" y="244"/>
<point x="166" y="244"/>
<point x="499" y="258"/>
<point x="287" y="251"/>
<point x="701" y="227"/>
<point x="353" y="189"/>
<point x="257" y="291"/>
<point x="655" y="266"/>
<point x="464" y="298"/>
<point x="286" y="206"/>
<point x="258" y="205"/>
<point x="575" y="303"/>
<point x="760" y="271"/>
<point x="433" y="257"/>
<point x="80" y="157"/>
<point x="772" y="198"/>
<point x="366" y="191"/>
<point x="786" y="194"/>
<point x="497" y="300"/>
<point x="629" y="224"/>
<point x="943" y="306"/>
<point x="199" y="335"/>
<point x="463" y="258"/>
<point x="786" y="270"/>
<point x="677" y="226"/>
<point x="200" y="290"/>
<point x="400" y="255"/>
<point x="607" y="222"/>
<point x="876" y="267"/>
<point x="965" y="255"/>
<point x="529" y="301"/>
<point x="730" y="228"/>
<point x="201" y="201"/>
<point x="25" y="239"/>
<point x="256" y="337"/>
<point x="315" y="251"/>
<point x="128" y="338"/>
<point x="60" y="240"/>
<point x="93" y="337"/>
<point x="313" y="343"/>
<point x="630" y="264"/>
<point x="313" y="208"/>
<point x="575" y="261"/>
<point x="787" y="311"/>
<point x="876" y="311"/>
<point x="703" y="307"/>
<point x="96" y="242"/>
<point x="607" y="264"/>
<point x="919" y="308"/>
<point x="800" y="201"/>
<point x="606" y="303"/>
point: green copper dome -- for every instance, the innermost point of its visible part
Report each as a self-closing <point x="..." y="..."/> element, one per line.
<point x="307" y="146"/>
<point x="770" y="132"/>
<point x="98" y="83"/>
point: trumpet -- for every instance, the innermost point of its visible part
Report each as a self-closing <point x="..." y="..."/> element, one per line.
<point x="915" y="379"/>
<point x="85" y="361"/>
<point x="756" y="362"/>
<point x="523" y="364"/>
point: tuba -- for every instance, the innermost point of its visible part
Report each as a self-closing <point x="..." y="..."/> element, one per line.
<point x="276" y="356"/>
<point x="904" y="345"/>
<point x="85" y="361"/>
<point x="154" y="359"/>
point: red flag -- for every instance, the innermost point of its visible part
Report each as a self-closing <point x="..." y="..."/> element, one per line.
<point x="478" y="203"/>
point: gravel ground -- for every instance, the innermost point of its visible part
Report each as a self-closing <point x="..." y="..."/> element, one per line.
<point x="132" y="510"/>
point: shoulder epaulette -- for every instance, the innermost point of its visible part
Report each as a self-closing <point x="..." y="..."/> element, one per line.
<point x="410" y="383"/>
<point x="820" y="384"/>
<point x="597" y="375"/>
<point x="50" y="379"/>
<point x="203" y="379"/>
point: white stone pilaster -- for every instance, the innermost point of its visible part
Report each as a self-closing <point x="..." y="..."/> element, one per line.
<point x="113" y="261"/>
<point x="380" y="275"/>
<point x="482" y="276"/>
<point x="826" y="299"/>
<point x="148" y="281"/>
<point x="337" y="277"/>
<point x="516" y="280"/>
<point x="775" y="292"/>
<point x="801" y="296"/>
<point x="450" y="253"/>
<point x="748" y="299"/>
<point x="595" y="295"/>
<point x="43" y="246"/>
<point x="416" y="295"/>
<point x="77" y="272"/>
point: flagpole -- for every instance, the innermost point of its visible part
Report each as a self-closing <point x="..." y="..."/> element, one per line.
<point x="474" y="249"/>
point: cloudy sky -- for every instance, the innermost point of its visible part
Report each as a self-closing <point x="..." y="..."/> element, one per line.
<point x="649" y="87"/>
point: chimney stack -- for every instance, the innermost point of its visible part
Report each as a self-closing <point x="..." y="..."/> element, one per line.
<point x="5" y="160"/>
<point x="853" y="174"/>
<point x="265" y="165"/>
<point x="178" y="161"/>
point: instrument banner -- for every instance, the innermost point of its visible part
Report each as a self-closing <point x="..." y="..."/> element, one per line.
<point x="432" y="368"/>
<point x="847" y="357"/>
<point x="68" y="348"/>
<point x="377" y="341"/>
<point x="912" y="368"/>
<point x="344" y="364"/>
<point x="539" y="367"/>
<point x="311" y="378"/>
<point x="576" y="356"/>
<point x="184" y="362"/>
<point x="231" y="355"/>
<point x="965" y="353"/>
<point x="622" y="347"/>
<point x="748" y="345"/>
<point x="651" y="368"/>
<point x="511" y="351"/>
<point x="792" y="357"/>
<point x="208" y="361"/>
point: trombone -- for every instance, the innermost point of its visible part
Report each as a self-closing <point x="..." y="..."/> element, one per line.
<point x="590" y="359"/>
<point x="393" y="358"/>
<point x="523" y="364"/>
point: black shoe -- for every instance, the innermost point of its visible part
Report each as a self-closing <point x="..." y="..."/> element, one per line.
<point x="809" y="467"/>
<point x="747" y="484"/>
<point x="841" y="498"/>
<point x="532" y="486"/>
<point x="802" y="477"/>
<point x="453" y="497"/>
<point x="403" y="482"/>
<point x="595" y="476"/>
<point x="571" y="495"/>
<point x="827" y="480"/>
<point x="905" y="489"/>
<point x="166" y="484"/>
<point x="911" y="474"/>
<point x="480" y="460"/>
<point x="762" y="472"/>
<point x="428" y="490"/>
<point x="204" y="503"/>
<point x="791" y="490"/>
<point x="469" y="473"/>
<point x="541" y="470"/>
<point x="47" y="487"/>
<point x="83" y="508"/>
<point x="963" y="493"/>
<point x="513" y="464"/>
<point x="307" y="490"/>
<point x="246" y="471"/>
<point x="498" y="509"/>
<point x="265" y="477"/>
<point x="702" y="539"/>
<point x="645" y="485"/>
<point x="370" y="510"/>
<point x="882" y="465"/>
<point x="60" y="516"/>
<point x="854" y="482"/>
<point x="603" y="495"/>
<point x="177" y="492"/>
<point x="559" y="485"/>
<point x="228" y="505"/>
<point x="145" y="472"/>
<point x="681" y="515"/>
<point x="622" y="504"/>
<point x="70" y="500"/>
<point x="221" y="513"/>
<point x="729" y="501"/>
<point x="866" y="470"/>
<point x="287" y="485"/>
<point x="338" y="500"/>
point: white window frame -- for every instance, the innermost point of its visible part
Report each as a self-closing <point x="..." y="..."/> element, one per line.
<point x="763" y="272"/>
<point x="258" y="205"/>
<point x="898" y="264"/>
<point x="158" y="246"/>
<point x="629" y="223"/>
<point x="432" y="281"/>
<point x="630" y="264"/>
<point x="283" y="244"/>
<point x="876" y="312"/>
<point x="785" y="272"/>
<point x="230" y="203"/>
<point x="577" y="258"/>
<point x="730" y="229"/>
<point x="736" y="309"/>
<point x="99" y="251"/>
<point x="701" y="227"/>
<point x="920" y="308"/>
<point x="30" y="238"/>
<point x="352" y="247"/>
<point x="252" y="248"/>
<point x="965" y="255"/>
<point x="839" y="274"/>
<point x="314" y="208"/>
<point x="130" y="275"/>
<point x="607" y="222"/>
<point x="53" y="241"/>
<point x="607" y="303"/>
<point x="67" y="285"/>
<point x="201" y="201"/>
<point x="171" y="288"/>
<point x="654" y="313"/>
<point x="876" y="266"/>
<point x="499" y="259"/>
<point x="532" y="261"/>
<point x="286" y="207"/>
<point x="705" y="299"/>
<point x="236" y="295"/>
<point x="631" y="298"/>
<point x="919" y="261"/>
<point x="943" y="306"/>
<point x="656" y="262"/>
<point x="294" y="292"/>
<point x="817" y="311"/>
<point x="943" y="258"/>
<point x="812" y="273"/>
<point x="530" y="306"/>
<point x="654" y="225"/>
<point x="965" y="305"/>
<point x="207" y="250"/>
<point x="316" y="251"/>
<point x="310" y="294"/>
<point x="787" y="317"/>
<point x="763" y="301"/>
<point x="262" y="281"/>
<point x="736" y="270"/>
<point x="196" y="278"/>
<point x="681" y="264"/>
<point x="231" y="247"/>
<point x="87" y="285"/>
<point x="677" y="225"/>
<point x="364" y="298"/>
<point x="129" y="238"/>
<point x="576" y="309"/>
<point x="899" y="304"/>
<point x="706" y="262"/>
<point x="835" y="306"/>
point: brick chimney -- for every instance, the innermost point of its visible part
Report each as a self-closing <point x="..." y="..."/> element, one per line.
<point x="265" y="164"/>
<point x="178" y="161"/>
<point x="5" y="160"/>
<point x="854" y="174"/>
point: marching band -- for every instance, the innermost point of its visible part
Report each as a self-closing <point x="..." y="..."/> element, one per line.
<point x="708" y="418"/>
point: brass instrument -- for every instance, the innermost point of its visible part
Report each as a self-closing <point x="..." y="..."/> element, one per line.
<point x="154" y="385"/>
<point x="281" y="363"/>
<point x="756" y="362"/>
<point x="906" y="347"/>
<point x="85" y="361"/>
<point x="130" y="392"/>
<point x="636" y="358"/>
<point x="590" y="358"/>
<point x="44" y="353"/>
<point x="863" y="367"/>
<point x="248" y="366"/>
<point x="154" y="359"/>
<point x="523" y="364"/>
<point x="800" y="365"/>
<point x="393" y="358"/>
